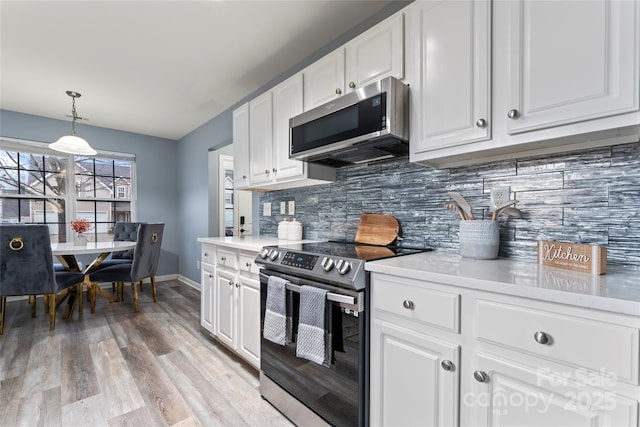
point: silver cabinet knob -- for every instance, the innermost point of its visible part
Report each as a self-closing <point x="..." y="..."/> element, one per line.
<point x="244" y="176"/>
<point x="210" y="276"/>
<point x="223" y="258"/>
<point x="338" y="91"/>
<point x="481" y="123"/>
<point x="513" y="114"/>
<point x="352" y="85"/>
<point x="237" y="285"/>
<point x="230" y="282"/>
<point x="274" y="170"/>
<point x="248" y="264"/>
<point x="542" y="337"/>
<point x="481" y="376"/>
<point x="267" y="171"/>
<point x="447" y="365"/>
<point x="206" y="254"/>
<point x="408" y="304"/>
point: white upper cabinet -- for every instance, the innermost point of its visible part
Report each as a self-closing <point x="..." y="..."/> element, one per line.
<point x="504" y="79"/>
<point x="324" y="80"/>
<point x="260" y="138"/>
<point x="287" y="103"/>
<point x="241" y="146"/>
<point x="570" y="61"/>
<point x="448" y="45"/>
<point x="377" y="53"/>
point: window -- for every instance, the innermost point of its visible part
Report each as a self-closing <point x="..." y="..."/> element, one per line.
<point x="41" y="186"/>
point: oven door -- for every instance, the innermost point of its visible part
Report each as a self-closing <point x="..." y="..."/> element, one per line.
<point x="338" y="393"/>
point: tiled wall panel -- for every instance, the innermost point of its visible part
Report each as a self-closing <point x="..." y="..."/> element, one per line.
<point x="591" y="196"/>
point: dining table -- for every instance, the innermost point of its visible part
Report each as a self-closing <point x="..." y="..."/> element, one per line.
<point x="67" y="253"/>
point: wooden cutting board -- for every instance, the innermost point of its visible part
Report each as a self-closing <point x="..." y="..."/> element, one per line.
<point x="377" y="229"/>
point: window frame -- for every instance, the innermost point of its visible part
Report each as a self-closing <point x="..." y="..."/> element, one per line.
<point x="70" y="197"/>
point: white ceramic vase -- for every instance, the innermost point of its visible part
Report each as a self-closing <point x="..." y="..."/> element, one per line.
<point x="79" y="240"/>
<point x="479" y="239"/>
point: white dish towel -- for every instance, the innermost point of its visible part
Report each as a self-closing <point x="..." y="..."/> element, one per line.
<point x="314" y="337"/>
<point x="275" y="317"/>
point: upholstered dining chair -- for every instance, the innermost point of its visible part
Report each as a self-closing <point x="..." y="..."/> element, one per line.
<point x="26" y="268"/>
<point x="146" y="255"/>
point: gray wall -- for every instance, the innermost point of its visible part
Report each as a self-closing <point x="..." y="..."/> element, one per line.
<point x="156" y="169"/>
<point x="590" y="196"/>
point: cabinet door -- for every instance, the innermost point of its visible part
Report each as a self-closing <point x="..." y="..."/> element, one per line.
<point x="375" y="54"/>
<point x="241" y="147"/>
<point x="225" y="307"/>
<point x="324" y="80"/>
<point x="516" y="395"/>
<point x="570" y="61"/>
<point x="260" y="139"/>
<point x="249" y="320"/>
<point x="207" y="283"/>
<point x="409" y="386"/>
<point x="448" y="45"/>
<point x="287" y="102"/>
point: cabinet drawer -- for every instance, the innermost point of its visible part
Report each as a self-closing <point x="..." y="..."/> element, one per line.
<point x="226" y="258"/>
<point x="208" y="254"/>
<point x="583" y="343"/>
<point x="417" y="303"/>
<point x="247" y="264"/>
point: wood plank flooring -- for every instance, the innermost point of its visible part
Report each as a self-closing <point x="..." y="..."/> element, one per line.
<point x="120" y="368"/>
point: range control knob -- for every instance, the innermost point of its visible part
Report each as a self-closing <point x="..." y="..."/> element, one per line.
<point x="327" y="264"/>
<point x="264" y="253"/>
<point x="273" y="254"/>
<point x="343" y="266"/>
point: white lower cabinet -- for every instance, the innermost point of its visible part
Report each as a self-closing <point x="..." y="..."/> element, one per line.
<point x="231" y="300"/>
<point x="510" y="361"/>
<point x="509" y="393"/>
<point x="414" y="378"/>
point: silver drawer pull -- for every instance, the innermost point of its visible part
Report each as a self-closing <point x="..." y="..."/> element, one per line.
<point x="223" y="258"/>
<point x="542" y="337"/>
<point x="408" y="304"/>
<point x="248" y="264"/>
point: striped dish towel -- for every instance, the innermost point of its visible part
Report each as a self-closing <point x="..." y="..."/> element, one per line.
<point x="314" y="327"/>
<point x="275" y="316"/>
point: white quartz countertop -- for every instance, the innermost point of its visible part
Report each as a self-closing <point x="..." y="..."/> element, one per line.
<point x="617" y="291"/>
<point x="250" y="243"/>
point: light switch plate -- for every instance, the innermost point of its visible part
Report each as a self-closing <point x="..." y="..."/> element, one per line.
<point x="266" y="209"/>
<point x="283" y="208"/>
<point x="292" y="207"/>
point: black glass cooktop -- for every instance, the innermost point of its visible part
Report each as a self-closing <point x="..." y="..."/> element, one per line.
<point x="364" y="252"/>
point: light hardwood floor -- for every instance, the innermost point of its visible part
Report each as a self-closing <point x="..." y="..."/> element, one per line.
<point x="120" y="368"/>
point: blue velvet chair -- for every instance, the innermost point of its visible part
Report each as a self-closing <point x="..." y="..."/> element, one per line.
<point x="146" y="256"/>
<point x="26" y="268"/>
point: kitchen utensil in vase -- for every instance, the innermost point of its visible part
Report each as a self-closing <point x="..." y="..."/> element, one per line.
<point x="454" y="207"/>
<point x="501" y="207"/>
<point x="464" y="205"/>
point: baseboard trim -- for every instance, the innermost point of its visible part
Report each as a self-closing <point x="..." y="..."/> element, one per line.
<point x="189" y="282"/>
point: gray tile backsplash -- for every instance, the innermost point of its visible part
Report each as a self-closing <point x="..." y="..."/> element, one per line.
<point x="590" y="196"/>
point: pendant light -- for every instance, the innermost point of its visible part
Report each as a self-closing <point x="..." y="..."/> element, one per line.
<point x="73" y="144"/>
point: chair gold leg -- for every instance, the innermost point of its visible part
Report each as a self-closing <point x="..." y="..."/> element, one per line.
<point x="32" y="303"/>
<point x="3" y="306"/>
<point x="52" y="310"/>
<point x="93" y="289"/>
<point x="135" y="296"/>
<point x="153" y="288"/>
<point x="113" y="286"/>
<point x="80" y="293"/>
<point x="46" y="302"/>
<point x="141" y="288"/>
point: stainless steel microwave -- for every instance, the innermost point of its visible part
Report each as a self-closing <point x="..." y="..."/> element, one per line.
<point x="368" y="124"/>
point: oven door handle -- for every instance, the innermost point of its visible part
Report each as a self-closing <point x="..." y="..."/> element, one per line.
<point x="331" y="296"/>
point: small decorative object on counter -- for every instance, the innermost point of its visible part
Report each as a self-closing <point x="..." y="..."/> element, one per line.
<point x="295" y="230"/>
<point x="573" y="256"/>
<point x="80" y="226"/>
<point x="479" y="239"/>
<point x="283" y="230"/>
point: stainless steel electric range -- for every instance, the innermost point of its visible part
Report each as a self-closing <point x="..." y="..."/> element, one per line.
<point x="306" y="392"/>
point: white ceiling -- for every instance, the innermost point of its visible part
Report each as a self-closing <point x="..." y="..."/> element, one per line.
<point x="156" y="67"/>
